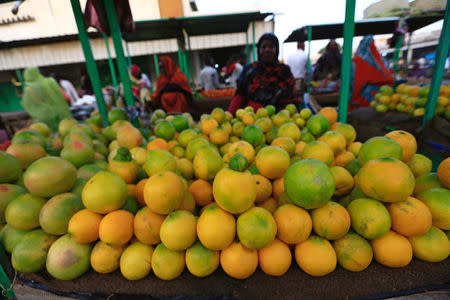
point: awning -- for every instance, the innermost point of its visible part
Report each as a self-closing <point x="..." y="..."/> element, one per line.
<point x="194" y="26"/>
<point x="364" y="27"/>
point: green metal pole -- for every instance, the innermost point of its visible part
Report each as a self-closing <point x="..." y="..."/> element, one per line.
<point x="346" y="67"/>
<point x="185" y="64"/>
<point x="20" y="77"/>
<point x="398" y="46"/>
<point x="110" y="61"/>
<point x="438" y="71"/>
<point x="90" y="62"/>
<point x="308" y="63"/>
<point x="128" y="54"/>
<point x="120" y="57"/>
<point x="155" y="60"/>
<point x="180" y="59"/>
<point x="247" y="48"/>
<point x="254" y="43"/>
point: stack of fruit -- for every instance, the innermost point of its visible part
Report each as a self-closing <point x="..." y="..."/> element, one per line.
<point x="411" y="99"/>
<point x="253" y="190"/>
<point x="219" y="93"/>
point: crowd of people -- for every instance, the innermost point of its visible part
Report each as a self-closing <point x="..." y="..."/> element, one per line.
<point x="262" y="82"/>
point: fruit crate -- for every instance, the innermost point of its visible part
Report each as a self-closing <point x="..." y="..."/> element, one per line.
<point x="206" y="105"/>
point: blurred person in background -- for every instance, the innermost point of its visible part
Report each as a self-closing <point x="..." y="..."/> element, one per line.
<point x="329" y="64"/>
<point x="266" y="81"/>
<point x="209" y="78"/>
<point x="235" y="69"/>
<point x="297" y="62"/>
<point x="173" y="93"/>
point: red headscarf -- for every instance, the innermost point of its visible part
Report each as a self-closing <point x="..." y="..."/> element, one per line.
<point x="171" y="102"/>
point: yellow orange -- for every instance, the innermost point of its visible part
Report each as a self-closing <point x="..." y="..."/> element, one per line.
<point x="294" y="224"/>
<point x="406" y="140"/>
<point x="299" y="147"/>
<point x="105" y="258"/>
<point x="216" y="228"/>
<point x="411" y="217"/>
<point x="330" y="221"/>
<point x="330" y="113"/>
<point x="278" y="188"/>
<point x="343" y="179"/>
<point x="163" y="192"/>
<point x="84" y="226"/>
<point x="219" y="136"/>
<point x="138" y="192"/>
<point x="179" y="230"/>
<point x="147" y="225"/>
<point x="244" y="148"/>
<point x="354" y="147"/>
<point x="335" y="140"/>
<point x="285" y="143"/>
<point x="354" y="253"/>
<point x="158" y="143"/>
<point x="392" y="250"/>
<point x="443" y="172"/>
<point x="316" y="256"/>
<point x="347" y="130"/>
<point x="238" y="261"/>
<point x="207" y="125"/>
<point x="201" y="190"/>
<point x="263" y="188"/>
<point x="319" y="150"/>
<point x="116" y="228"/>
<point x="343" y="158"/>
<point x="271" y="204"/>
<point x="275" y="259"/>
<point x="272" y="162"/>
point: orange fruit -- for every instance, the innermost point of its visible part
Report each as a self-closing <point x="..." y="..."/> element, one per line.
<point x="411" y="217"/>
<point x="330" y="221"/>
<point x="319" y="150"/>
<point x="335" y="140"/>
<point x="218" y="114"/>
<point x="379" y="147"/>
<point x="158" y="143"/>
<point x="188" y="203"/>
<point x="201" y="190"/>
<point x="438" y="201"/>
<point x="234" y="191"/>
<point x="316" y="256"/>
<point x="179" y="230"/>
<point x="185" y="137"/>
<point x="147" y="225"/>
<point x="219" y="136"/>
<point x="164" y="192"/>
<point x="443" y="172"/>
<point x="138" y="192"/>
<point x="135" y="261"/>
<point x="185" y="168"/>
<point x="129" y="137"/>
<point x="207" y="125"/>
<point x="354" y="147"/>
<point x="216" y="228"/>
<point x="318" y="125"/>
<point x="159" y="161"/>
<point x="343" y="158"/>
<point x="167" y="264"/>
<point x="425" y="182"/>
<point x="238" y="261"/>
<point x="353" y="252"/>
<point x="201" y="261"/>
<point x="294" y="224"/>
<point x="330" y="113"/>
<point x="299" y="147"/>
<point x="433" y="246"/>
<point x="105" y="258"/>
<point x="285" y="143"/>
<point x="207" y="162"/>
<point x="278" y="188"/>
<point x="369" y="218"/>
<point x="256" y="228"/>
<point x="420" y="165"/>
<point x="343" y="180"/>
<point x="392" y="250"/>
<point x="244" y="148"/>
<point x="272" y="162"/>
<point x="84" y="226"/>
<point x="270" y="204"/>
<point x="289" y="130"/>
<point x="406" y="140"/>
<point x="386" y="179"/>
<point x="263" y="188"/>
<point x="275" y="259"/>
<point x="347" y="130"/>
<point x="116" y="228"/>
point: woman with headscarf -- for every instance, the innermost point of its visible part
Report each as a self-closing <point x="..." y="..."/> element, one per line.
<point x="266" y="81"/>
<point x="329" y="64"/>
<point x="173" y="92"/>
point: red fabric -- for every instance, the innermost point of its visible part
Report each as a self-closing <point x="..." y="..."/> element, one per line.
<point x="231" y="68"/>
<point x="367" y="74"/>
<point x="171" y="101"/>
<point x="236" y="103"/>
<point x="66" y="97"/>
<point x="95" y="16"/>
<point x="135" y="70"/>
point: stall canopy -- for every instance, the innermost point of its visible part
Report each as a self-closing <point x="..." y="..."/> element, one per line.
<point x="364" y="27"/>
<point x="201" y="25"/>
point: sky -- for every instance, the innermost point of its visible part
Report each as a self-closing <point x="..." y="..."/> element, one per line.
<point x="292" y="14"/>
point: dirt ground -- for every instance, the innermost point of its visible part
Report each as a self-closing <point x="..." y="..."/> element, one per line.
<point x="417" y="277"/>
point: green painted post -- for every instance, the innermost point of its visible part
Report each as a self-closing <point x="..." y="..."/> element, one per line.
<point x="155" y="60"/>
<point x="254" y="43"/>
<point x="438" y="71"/>
<point x="190" y="66"/>
<point x="180" y="59"/>
<point x="186" y="67"/>
<point x="120" y="57"/>
<point x="308" y="63"/>
<point x="346" y="67"/>
<point x="90" y="62"/>
<point x="128" y="54"/>
<point x="247" y="47"/>
<point x="110" y="61"/>
<point x="20" y="77"/>
<point x="398" y="46"/>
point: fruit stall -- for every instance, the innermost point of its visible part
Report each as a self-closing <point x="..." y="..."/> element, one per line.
<point x="260" y="204"/>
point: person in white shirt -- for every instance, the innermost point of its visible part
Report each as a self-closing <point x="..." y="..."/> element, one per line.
<point x="297" y="62"/>
<point x="209" y="78"/>
<point x="235" y="69"/>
